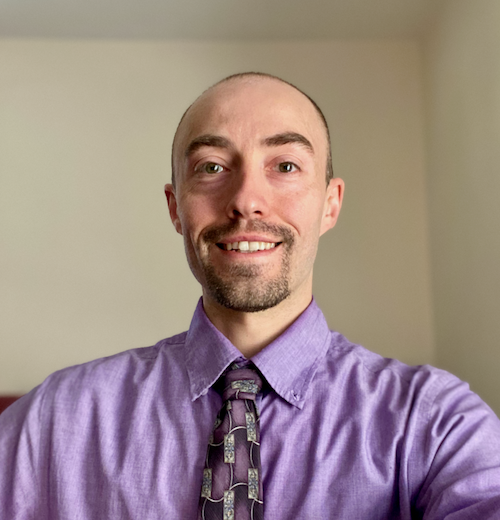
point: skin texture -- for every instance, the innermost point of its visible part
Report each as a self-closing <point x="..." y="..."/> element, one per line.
<point x="250" y="159"/>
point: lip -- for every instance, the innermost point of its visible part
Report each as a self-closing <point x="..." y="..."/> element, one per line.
<point x="248" y="238"/>
<point x="248" y="255"/>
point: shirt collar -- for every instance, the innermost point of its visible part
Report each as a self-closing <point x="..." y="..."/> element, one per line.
<point x="288" y="363"/>
<point x="208" y="353"/>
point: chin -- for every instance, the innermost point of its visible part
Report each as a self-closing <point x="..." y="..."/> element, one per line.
<point x="239" y="297"/>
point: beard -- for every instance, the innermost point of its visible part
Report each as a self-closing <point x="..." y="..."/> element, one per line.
<point x="243" y="287"/>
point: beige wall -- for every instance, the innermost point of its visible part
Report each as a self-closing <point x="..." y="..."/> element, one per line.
<point x="463" y="92"/>
<point x="90" y="264"/>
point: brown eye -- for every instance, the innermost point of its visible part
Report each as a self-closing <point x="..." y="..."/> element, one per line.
<point x="212" y="168"/>
<point x="286" y="167"/>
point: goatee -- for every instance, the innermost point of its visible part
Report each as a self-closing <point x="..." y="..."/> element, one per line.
<point x="244" y="287"/>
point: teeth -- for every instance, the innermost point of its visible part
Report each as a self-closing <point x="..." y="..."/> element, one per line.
<point x="249" y="247"/>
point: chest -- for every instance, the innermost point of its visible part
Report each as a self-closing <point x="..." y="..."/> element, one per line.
<point x="147" y="462"/>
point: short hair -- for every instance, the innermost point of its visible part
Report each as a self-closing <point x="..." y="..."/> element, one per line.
<point x="329" y="165"/>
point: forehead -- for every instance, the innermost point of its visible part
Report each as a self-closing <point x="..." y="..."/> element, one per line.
<point x="251" y="108"/>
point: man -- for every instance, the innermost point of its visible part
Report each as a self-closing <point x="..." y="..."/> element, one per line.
<point x="342" y="432"/>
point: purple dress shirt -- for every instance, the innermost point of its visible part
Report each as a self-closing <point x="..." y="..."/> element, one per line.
<point x="345" y="434"/>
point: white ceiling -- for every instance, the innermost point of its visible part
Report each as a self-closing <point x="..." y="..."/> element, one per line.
<point x="214" y="19"/>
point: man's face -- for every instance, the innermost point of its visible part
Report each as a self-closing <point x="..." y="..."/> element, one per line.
<point x="250" y="197"/>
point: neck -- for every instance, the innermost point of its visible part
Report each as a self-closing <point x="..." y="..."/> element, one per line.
<point x="250" y="332"/>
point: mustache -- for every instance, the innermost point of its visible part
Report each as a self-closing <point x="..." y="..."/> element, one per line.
<point x="217" y="233"/>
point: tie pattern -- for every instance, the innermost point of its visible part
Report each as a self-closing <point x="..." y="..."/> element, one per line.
<point x="232" y="484"/>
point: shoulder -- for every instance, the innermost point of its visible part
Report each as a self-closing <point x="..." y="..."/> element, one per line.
<point x="131" y="365"/>
<point x="98" y="380"/>
<point x="427" y="396"/>
<point x="447" y="438"/>
<point x="378" y="371"/>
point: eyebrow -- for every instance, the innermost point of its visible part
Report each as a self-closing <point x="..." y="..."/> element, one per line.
<point x="287" y="138"/>
<point x="217" y="141"/>
<point x="201" y="141"/>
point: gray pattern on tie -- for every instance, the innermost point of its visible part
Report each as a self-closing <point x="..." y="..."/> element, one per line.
<point x="232" y="483"/>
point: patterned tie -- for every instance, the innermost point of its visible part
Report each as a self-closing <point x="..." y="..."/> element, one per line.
<point x="232" y="484"/>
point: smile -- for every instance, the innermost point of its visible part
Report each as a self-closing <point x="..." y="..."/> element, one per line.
<point x="248" y="247"/>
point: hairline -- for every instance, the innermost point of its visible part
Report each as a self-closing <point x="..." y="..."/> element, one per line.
<point x="329" y="167"/>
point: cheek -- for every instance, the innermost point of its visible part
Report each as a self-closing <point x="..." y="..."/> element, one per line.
<point x="194" y="215"/>
<point x="303" y="211"/>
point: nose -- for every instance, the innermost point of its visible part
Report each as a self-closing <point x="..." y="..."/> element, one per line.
<point x="248" y="197"/>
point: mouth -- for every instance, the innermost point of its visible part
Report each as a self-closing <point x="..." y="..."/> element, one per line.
<point x="247" y="247"/>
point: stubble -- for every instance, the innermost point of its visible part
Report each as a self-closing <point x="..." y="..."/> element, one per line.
<point x="243" y="287"/>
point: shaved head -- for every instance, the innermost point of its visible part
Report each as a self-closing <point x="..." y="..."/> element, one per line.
<point x="248" y="77"/>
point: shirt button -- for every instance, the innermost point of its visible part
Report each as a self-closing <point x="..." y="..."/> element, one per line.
<point x="295" y="395"/>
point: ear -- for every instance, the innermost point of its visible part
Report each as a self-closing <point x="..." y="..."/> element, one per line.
<point x="333" y="203"/>
<point x="172" y="207"/>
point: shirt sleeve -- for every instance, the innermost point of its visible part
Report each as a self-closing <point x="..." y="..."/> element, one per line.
<point x="19" y="447"/>
<point x="461" y="450"/>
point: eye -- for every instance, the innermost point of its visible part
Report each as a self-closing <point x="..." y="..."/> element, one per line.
<point x="211" y="168"/>
<point x="287" y="167"/>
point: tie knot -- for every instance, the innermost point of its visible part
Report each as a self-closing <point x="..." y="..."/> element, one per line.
<point x="242" y="383"/>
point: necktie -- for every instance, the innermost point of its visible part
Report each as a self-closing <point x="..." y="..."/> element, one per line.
<point x="232" y="484"/>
